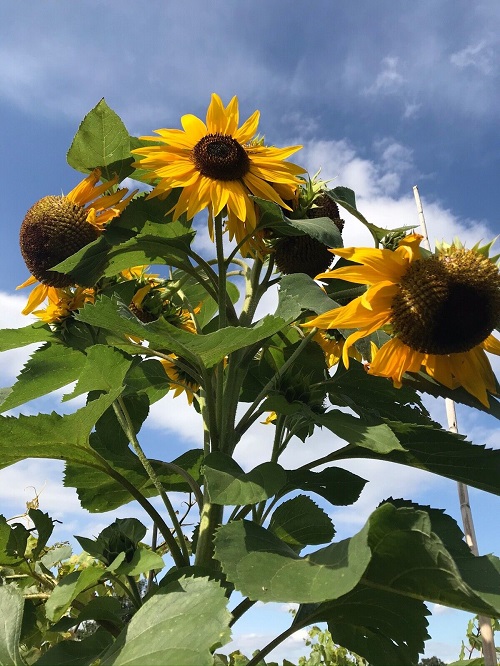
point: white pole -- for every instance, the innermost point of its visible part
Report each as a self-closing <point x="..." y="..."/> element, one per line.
<point x="489" y="651"/>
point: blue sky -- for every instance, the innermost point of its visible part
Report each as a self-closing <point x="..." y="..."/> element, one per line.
<point x="382" y="96"/>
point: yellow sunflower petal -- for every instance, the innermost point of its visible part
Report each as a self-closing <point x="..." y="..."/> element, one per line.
<point x="36" y="298"/>
<point x="216" y="116"/>
<point x="491" y="345"/>
<point x="249" y="128"/>
<point x="395" y="358"/>
<point x="194" y="127"/>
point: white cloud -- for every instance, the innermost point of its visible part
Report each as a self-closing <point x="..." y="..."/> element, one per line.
<point x="480" y="56"/>
<point x="389" y="79"/>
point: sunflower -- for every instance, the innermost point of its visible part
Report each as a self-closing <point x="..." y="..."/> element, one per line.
<point x="440" y="308"/>
<point x="62" y="302"/>
<point x="179" y="379"/>
<point x="58" y="226"/>
<point x="218" y="165"/>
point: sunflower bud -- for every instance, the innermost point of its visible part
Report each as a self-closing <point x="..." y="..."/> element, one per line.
<point x="54" y="229"/>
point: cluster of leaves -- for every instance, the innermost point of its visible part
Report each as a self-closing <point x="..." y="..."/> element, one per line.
<point x="259" y="530"/>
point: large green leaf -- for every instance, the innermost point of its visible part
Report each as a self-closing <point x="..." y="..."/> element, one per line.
<point x="53" y="436"/>
<point x="372" y="396"/>
<point x="386" y="629"/>
<point x="101" y="140"/>
<point x="300" y="522"/>
<point x="52" y="366"/>
<point x="397" y="551"/>
<point x="97" y="491"/>
<point x="264" y="568"/>
<point x="176" y="627"/>
<point x="228" y="484"/>
<point x="207" y="350"/>
<point x="104" y="369"/>
<point x="147" y="377"/>
<point x="11" y="612"/>
<point x="435" y="450"/>
<point x="12" y="338"/>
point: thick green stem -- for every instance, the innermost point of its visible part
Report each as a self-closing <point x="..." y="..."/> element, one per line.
<point x="128" y="428"/>
<point x="211" y="518"/>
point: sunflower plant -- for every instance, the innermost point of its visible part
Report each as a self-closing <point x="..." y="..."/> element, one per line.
<point x="128" y="309"/>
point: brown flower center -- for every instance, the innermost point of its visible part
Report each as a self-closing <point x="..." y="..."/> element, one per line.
<point x="54" y="229"/>
<point x="447" y="304"/>
<point x="220" y="157"/>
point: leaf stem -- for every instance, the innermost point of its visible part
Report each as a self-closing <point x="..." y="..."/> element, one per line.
<point x="128" y="428"/>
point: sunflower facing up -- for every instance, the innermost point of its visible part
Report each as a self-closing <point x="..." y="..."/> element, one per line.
<point x="218" y="165"/>
<point x="56" y="227"/>
<point x="441" y="310"/>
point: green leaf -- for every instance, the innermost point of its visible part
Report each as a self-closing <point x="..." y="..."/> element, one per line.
<point x="101" y="140"/>
<point x="102" y="608"/>
<point x="380" y="437"/>
<point x="44" y="526"/>
<point x="176" y="627"/>
<point x="385" y="628"/>
<point x="322" y="229"/>
<point x="410" y="558"/>
<point x="114" y="251"/>
<point x="207" y="350"/>
<point x="298" y="293"/>
<point x="51" y="435"/>
<point x="13" y="338"/>
<point x="68" y="588"/>
<point x="143" y="561"/>
<point x="300" y="522"/>
<point x="264" y="568"/>
<point x="438" y="451"/>
<point x="147" y="377"/>
<point x="11" y="612"/>
<point x="98" y="492"/>
<point x="347" y="199"/>
<point x="77" y="653"/>
<point x="372" y="396"/>
<point x="104" y="369"/>
<point x="7" y="556"/>
<point x="338" y="486"/>
<point x="52" y="366"/>
<point x="397" y="551"/>
<point x="228" y="484"/>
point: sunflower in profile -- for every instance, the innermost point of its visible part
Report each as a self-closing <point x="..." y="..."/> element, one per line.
<point x="62" y="302"/>
<point x="180" y="380"/>
<point x="218" y="165"/>
<point x="58" y="226"/>
<point x="440" y="308"/>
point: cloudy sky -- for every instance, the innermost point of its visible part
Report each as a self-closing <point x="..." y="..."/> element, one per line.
<point x="382" y="96"/>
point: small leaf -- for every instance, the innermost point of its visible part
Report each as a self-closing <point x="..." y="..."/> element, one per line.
<point x="228" y="484"/>
<point x="11" y="612"/>
<point x="300" y="522"/>
<point x="298" y="293"/>
<point x="175" y="627"/>
<point x="338" y="486"/>
<point x="69" y="588"/>
<point x="44" y="526"/>
<point x="143" y="561"/>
